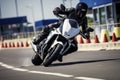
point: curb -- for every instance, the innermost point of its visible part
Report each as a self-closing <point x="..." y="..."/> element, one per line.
<point x="99" y="46"/>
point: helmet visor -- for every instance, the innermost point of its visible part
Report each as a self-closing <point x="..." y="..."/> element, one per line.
<point x="80" y="13"/>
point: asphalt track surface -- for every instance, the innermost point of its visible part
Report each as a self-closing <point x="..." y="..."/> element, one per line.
<point x="15" y="64"/>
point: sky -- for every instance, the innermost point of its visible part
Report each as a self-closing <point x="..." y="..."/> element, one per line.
<point x="32" y="8"/>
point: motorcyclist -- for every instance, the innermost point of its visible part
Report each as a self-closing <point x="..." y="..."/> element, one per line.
<point x="78" y="13"/>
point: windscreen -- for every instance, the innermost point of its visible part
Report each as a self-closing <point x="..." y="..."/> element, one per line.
<point x="73" y="23"/>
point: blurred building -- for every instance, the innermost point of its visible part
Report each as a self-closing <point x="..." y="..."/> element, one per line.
<point x="17" y="16"/>
<point x="106" y="14"/>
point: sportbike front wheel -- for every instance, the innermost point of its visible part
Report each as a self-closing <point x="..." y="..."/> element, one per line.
<point x="52" y="55"/>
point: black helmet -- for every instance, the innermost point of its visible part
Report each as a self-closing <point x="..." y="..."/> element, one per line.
<point x="81" y="9"/>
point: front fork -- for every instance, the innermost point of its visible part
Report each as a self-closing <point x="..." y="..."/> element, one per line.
<point x="56" y="39"/>
<point x="66" y="47"/>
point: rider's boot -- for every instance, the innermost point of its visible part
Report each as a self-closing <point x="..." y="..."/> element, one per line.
<point x="60" y="58"/>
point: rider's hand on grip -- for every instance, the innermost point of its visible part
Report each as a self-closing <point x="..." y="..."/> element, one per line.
<point x="86" y="35"/>
<point x="89" y="29"/>
<point x="56" y="11"/>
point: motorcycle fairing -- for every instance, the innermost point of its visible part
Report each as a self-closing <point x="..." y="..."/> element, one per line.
<point x="70" y="28"/>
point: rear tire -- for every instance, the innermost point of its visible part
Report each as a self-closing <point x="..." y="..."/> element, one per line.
<point x="53" y="55"/>
<point x="36" y="60"/>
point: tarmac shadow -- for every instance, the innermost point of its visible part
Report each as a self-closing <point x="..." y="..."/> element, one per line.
<point x="82" y="62"/>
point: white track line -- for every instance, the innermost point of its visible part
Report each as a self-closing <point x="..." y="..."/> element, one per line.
<point x="31" y="71"/>
<point x="46" y="73"/>
<point x="87" y="78"/>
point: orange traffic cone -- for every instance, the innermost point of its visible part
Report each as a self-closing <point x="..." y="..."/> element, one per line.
<point x="96" y="40"/>
<point x="114" y="37"/>
<point x="88" y="40"/>
<point x="105" y="38"/>
<point x="18" y="44"/>
<point x="27" y="45"/>
<point x="22" y="44"/>
<point x="3" y="45"/>
<point x="81" y="40"/>
<point x="10" y="44"/>
<point x="13" y="44"/>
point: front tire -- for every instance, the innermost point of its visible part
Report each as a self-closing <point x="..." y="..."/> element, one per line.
<point x="36" y="60"/>
<point x="53" y="55"/>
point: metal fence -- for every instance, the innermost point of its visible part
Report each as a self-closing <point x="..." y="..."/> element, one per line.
<point x="17" y="36"/>
<point x="97" y="31"/>
<point x="110" y="27"/>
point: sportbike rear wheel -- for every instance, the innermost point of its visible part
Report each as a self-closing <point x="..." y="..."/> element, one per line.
<point x="36" y="60"/>
<point x="52" y="55"/>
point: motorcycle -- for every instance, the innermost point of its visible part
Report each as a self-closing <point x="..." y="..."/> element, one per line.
<point x="57" y="43"/>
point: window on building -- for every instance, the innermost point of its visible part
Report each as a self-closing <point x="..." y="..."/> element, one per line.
<point x="109" y="12"/>
<point x="95" y="12"/>
<point x="118" y="12"/>
<point x="102" y="15"/>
